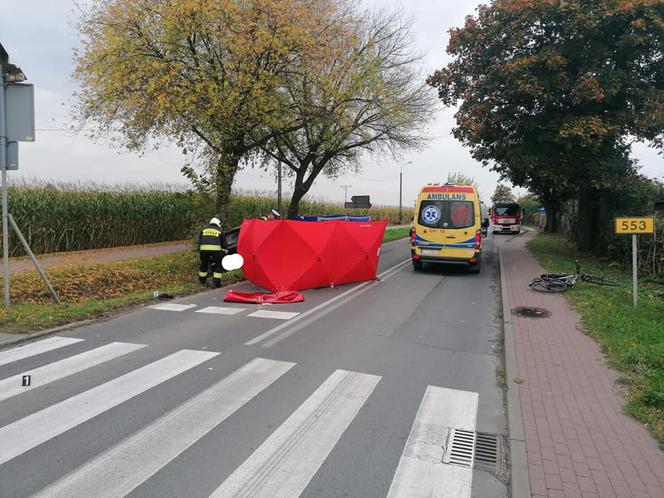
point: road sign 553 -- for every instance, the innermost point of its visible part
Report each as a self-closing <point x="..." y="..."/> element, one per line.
<point x="635" y="225"/>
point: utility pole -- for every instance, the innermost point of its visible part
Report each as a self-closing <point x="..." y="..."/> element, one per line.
<point x="279" y="188"/>
<point x="400" y="193"/>
<point x="346" y="187"/>
<point x="401" y="187"/>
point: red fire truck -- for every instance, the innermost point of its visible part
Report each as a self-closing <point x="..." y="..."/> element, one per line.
<point x="506" y="217"/>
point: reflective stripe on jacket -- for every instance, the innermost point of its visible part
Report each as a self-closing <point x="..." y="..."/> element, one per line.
<point x="211" y="239"/>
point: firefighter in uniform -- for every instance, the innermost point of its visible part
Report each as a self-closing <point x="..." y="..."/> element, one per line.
<point x="212" y="248"/>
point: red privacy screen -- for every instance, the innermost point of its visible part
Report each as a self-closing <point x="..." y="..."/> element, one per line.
<point x="297" y="255"/>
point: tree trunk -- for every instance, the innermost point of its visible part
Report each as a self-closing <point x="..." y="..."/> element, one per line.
<point x="587" y="220"/>
<point x="299" y="191"/>
<point x="294" y="205"/>
<point x="302" y="186"/>
<point x="226" y="168"/>
<point x="551" y="211"/>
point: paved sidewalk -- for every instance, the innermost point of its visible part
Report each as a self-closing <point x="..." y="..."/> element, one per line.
<point x="579" y="442"/>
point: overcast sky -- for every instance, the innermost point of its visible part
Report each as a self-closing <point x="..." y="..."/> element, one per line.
<point x="39" y="37"/>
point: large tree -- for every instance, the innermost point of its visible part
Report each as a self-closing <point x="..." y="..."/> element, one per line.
<point x="208" y="75"/>
<point x="368" y="97"/>
<point x="553" y="93"/>
<point x="503" y="194"/>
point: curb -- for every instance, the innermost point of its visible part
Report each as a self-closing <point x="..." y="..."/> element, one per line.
<point x="21" y="338"/>
<point x="520" y="476"/>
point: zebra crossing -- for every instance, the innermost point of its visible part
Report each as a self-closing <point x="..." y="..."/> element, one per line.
<point x="282" y="465"/>
<point x="226" y="310"/>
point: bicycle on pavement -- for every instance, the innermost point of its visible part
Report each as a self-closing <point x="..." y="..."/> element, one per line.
<point x="560" y="282"/>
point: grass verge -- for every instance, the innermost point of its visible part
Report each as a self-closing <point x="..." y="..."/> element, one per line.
<point x="92" y="291"/>
<point x="632" y="339"/>
<point x="395" y="233"/>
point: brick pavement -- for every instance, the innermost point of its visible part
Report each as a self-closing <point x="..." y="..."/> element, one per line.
<point x="579" y="442"/>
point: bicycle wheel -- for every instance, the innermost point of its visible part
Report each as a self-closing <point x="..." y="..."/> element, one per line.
<point x="549" y="286"/>
<point x="592" y="279"/>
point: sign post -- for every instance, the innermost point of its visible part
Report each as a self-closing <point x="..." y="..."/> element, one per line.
<point x="635" y="267"/>
<point x="3" y="166"/>
<point x="17" y="124"/>
<point x="634" y="227"/>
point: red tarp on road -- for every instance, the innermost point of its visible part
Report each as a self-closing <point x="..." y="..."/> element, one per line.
<point x="296" y="255"/>
<point x="282" y="297"/>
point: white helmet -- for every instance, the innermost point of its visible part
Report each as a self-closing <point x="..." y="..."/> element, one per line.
<point x="215" y="221"/>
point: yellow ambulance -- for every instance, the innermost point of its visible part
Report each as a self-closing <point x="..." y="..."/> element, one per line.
<point x="447" y="226"/>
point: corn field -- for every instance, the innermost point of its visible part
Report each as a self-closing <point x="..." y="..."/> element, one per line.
<point x="55" y="218"/>
<point x="251" y="206"/>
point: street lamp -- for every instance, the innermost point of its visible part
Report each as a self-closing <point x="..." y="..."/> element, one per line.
<point x="401" y="186"/>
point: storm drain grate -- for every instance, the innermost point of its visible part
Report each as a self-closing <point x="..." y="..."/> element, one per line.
<point x="487" y="452"/>
<point x="460" y="448"/>
<point x="475" y="450"/>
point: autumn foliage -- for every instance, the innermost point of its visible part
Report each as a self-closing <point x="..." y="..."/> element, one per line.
<point x="553" y="93"/>
<point x="206" y="75"/>
<point x="76" y="284"/>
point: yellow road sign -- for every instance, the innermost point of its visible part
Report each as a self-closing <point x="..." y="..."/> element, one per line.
<point x="644" y="224"/>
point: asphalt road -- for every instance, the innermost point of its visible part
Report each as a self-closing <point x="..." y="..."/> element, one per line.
<point x="351" y="393"/>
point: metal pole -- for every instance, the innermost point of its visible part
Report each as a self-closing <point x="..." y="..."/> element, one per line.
<point x="5" y="234"/>
<point x="345" y="187"/>
<point x="40" y="270"/>
<point x="279" y="189"/>
<point x="635" y="267"/>
<point x="400" y="193"/>
<point x="3" y="166"/>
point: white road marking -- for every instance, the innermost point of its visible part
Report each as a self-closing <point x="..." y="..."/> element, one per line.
<point x="35" y="348"/>
<point x="421" y="472"/>
<point x="276" y="315"/>
<point x="124" y="467"/>
<point x="35" y="429"/>
<point x="285" y="463"/>
<point x="172" y="306"/>
<point x="290" y="331"/>
<point x="325" y="307"/>
<point x="11" y="386"/>
<point x="221" y="310"/>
